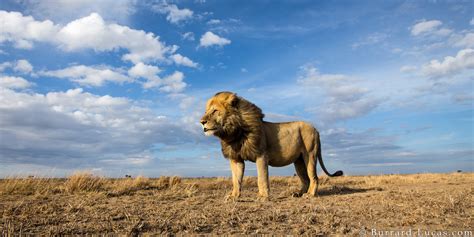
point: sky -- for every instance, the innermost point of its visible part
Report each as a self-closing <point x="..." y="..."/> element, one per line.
<point x="118" y="87"/>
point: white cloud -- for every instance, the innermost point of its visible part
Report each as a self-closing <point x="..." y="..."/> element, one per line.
<point x="432" y="27"/>
<point x="408" y="68"/>
<point x="23" y="66"/>
<point x="425" y="27"/>
<point x="344" y="98"/>
<point x="90" y="32"/>
<point x="214" y="22"/>
<point x="144" y="71"/>
<point x="466" y="41"/>
<point x="174" y="83"/>
<point x="14" y="82"/>
<point x="22" y="30"/>
<point x="5" y="65"/>
<point x="182" y="60"/>
<point x="450" y="65"/>
<point x="171" y="84"/>
<point x="174" y="14"/>
<point x="210" y="39"/>
<point x="66" y="10"/>
<point x="149" y="72"/>
<point x="188" y="36"/>
<point x="23" y="44"/>
<point x="74" y="128"/>
<point x="90" y="76"/>
<point x="471" y="22"/>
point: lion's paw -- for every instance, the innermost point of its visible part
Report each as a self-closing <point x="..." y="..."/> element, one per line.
<point x="296" y="194"/>
<point x="231" y="198"/>
<point x="308" y="196"/>
<point x="263" y="198"/>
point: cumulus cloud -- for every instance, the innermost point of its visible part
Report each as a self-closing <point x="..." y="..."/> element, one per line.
<point x="174" y="83"/>
<point x="174" y="14"/>
<point x="90" y="76"/>
<point x="149" y="72"/>
<point x="5" y="65"/>
<point x="76" y="129"/>
<point x="450" y="65"/>
<point x="210" y="39"/>
<point x="344" y="98"/>
<point x="464" y="41"/>
<point x="23" y="30"/>
<point x="182" y="60"/>
<point x="23" y="66"/>
<point x="14" y="82"/>
<point x="144" y="71"/>
<point x="90" y="32"/>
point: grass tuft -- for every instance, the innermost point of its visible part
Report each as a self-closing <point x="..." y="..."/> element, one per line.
<point x="84" y="182"/>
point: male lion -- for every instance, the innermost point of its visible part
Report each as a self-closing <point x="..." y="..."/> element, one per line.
<point x="245" y="136"/>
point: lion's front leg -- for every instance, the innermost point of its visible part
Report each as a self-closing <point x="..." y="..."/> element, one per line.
<point x="237" y="167"/>
<point x="263" y="183"/>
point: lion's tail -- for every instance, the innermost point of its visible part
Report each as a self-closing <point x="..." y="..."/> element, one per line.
<point x="320" y="158"/>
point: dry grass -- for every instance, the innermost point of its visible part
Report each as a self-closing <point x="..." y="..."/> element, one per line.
<point x="88" y="204"/>
<point x="84" y="182"/>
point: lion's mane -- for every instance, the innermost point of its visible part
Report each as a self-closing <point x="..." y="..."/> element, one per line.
<point x="243" y="133"/>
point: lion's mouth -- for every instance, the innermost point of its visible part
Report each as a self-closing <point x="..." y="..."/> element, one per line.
<point x="209" y="129"/>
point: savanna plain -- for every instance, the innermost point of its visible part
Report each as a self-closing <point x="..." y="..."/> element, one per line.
<point x="348" y="205"/>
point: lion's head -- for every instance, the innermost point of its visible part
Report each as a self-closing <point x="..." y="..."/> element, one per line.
<point x="230" y="117"/>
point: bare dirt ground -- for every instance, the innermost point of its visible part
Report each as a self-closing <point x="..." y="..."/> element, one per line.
<point x="350" y="205"/>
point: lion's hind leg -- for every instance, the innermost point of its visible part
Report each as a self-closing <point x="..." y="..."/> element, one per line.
<point x="300" y="168"/>
<point x="310" y="161"/>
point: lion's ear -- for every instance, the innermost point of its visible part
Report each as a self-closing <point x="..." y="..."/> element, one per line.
<point x="233" y="100"/>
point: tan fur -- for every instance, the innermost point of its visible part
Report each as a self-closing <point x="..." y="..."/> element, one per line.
<point x="245" y="136"/>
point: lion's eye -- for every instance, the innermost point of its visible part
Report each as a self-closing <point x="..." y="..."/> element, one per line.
<point x="214" y="111"/>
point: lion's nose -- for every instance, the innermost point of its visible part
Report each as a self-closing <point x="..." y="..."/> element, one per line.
<point x="203" y="122"/>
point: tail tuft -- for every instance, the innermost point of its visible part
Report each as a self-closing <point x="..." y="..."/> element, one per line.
<point x="338" y="173"/>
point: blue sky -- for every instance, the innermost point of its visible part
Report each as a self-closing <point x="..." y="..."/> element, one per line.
<point x="118" y="87"/>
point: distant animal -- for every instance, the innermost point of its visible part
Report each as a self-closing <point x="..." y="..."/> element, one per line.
<point x="128" y="176"/>
<point x="245" y="136"/>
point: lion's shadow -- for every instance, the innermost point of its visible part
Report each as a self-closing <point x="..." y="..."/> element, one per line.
<point x="343" y="190"/>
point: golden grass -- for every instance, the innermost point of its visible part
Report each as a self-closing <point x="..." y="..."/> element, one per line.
<point x="84" y="182"/>
<point x="28" y="186"/>
<point x="87" y="204"/>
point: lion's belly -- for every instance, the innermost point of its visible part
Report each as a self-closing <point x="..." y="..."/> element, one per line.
<point x="277" y="160"/>
<point x="284" y="144"/>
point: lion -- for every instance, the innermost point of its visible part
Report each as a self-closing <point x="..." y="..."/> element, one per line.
<point x="245" y="136"/>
